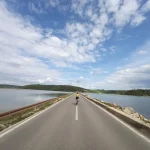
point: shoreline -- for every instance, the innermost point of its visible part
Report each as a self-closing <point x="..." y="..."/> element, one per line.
<point x="123" y="94"/>
<point x="139" y="103"/>
<point x="127" y="114"/>
<point x="34" y="89"/>
<point x="10" y="118"/>
<point x="115" y="104"/>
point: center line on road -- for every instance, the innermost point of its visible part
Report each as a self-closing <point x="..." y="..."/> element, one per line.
<point x="76" y="112"/>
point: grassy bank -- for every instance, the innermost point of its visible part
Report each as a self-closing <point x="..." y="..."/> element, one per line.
<point x="12" y="118"/>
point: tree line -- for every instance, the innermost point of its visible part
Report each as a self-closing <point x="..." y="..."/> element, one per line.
<point x="135" y="92"/>
<point x="67" y="88"/>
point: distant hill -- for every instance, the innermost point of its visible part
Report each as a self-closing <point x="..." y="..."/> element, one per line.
<point x="9" y="86"/>
<point x="135" y="92"/>
<point x="68" y="88"/>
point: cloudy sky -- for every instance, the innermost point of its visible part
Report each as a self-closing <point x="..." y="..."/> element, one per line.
<point x="90" y="43"/>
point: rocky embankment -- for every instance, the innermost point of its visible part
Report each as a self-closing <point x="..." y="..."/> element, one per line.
<point x="128" y="111"/>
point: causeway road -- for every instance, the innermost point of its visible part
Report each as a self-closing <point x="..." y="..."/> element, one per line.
<point x="69" y="127"/>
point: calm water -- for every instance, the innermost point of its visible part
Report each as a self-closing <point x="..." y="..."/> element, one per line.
<point x="139" y="103"/>
<point x="15" y="98"/>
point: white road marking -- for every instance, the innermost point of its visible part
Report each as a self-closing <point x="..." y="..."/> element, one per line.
<point x="119" y="120"/>
<point x="76" y="112"/>
<point x="13" y="127"/>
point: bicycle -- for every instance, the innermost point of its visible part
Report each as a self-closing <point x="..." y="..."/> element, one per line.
<point x="77" y="100"/>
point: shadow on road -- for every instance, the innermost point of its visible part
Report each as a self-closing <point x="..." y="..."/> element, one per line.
<point x="74" y="103"/>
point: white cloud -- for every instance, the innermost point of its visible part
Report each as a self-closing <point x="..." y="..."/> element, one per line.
<point x="142" y="52"/>
<point x="78" y="6"/>
<point x="113" y="5"/>
<point x="98" y="28"/>
<point x="25" y="50"/>
<point x="140" y="57"/>
<point x="46" y="6"/>
<point x="112" y="49"/>
<point x="89" y="12"/>
<point x="135" y="74"/>
<point x="137" y="19"/>
<point x="27" y="46"/>
<point x="124" y="14"/>
<point x="36" y="9"/>
<point x="96" y="33"/>
<point x="15" y="68"/>
<point x="91" y="72"/>
<point x="146" y="7"/>
<point x="130" y="78"/>
<point x="53" y="3"/>
<point x="89" y="35"/>
<point x="97" y="71"/>
<point x="125" y="59"/>
<point x="20" y="35"/>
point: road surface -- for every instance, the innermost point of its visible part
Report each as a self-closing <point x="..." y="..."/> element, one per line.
<point x="67" y="127"/>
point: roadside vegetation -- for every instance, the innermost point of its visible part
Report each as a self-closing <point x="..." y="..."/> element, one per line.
<point x="14" y="117"/>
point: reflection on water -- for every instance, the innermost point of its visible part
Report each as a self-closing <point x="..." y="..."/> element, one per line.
<point x="140" y="104"/>
<point x="15" y="98"/>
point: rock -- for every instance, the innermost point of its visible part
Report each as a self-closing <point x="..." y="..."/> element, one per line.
<point x="115" y="104"/>
<point x="59" y="98"/>
<point x="136" y="115"/>
<point x="146" y="120"/>
<point x="2" y="126"/>
<point x="141" y="117"/>
<point x="129" y="110"/>
<point x="118" y="108"/>
<point x="56" y="101"/>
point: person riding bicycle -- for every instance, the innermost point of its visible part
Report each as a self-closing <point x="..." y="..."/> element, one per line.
<point x="77" y="96"/>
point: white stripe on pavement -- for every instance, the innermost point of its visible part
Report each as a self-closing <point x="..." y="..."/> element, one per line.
<point x="76" y="112"/>
<point x="17" y="125"/>
<point x="122" y="122"/>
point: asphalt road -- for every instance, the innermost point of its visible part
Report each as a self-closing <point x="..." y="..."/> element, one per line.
<point x="67" y="127"/>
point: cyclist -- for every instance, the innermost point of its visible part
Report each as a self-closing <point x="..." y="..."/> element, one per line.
<point x="77" y="98"/>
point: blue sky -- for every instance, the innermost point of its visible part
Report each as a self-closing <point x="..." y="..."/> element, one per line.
<point x="101" y="44"/>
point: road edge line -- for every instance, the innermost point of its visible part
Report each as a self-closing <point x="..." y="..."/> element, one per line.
<point x="122" y="122"/>
<point x="17" y="125"/>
